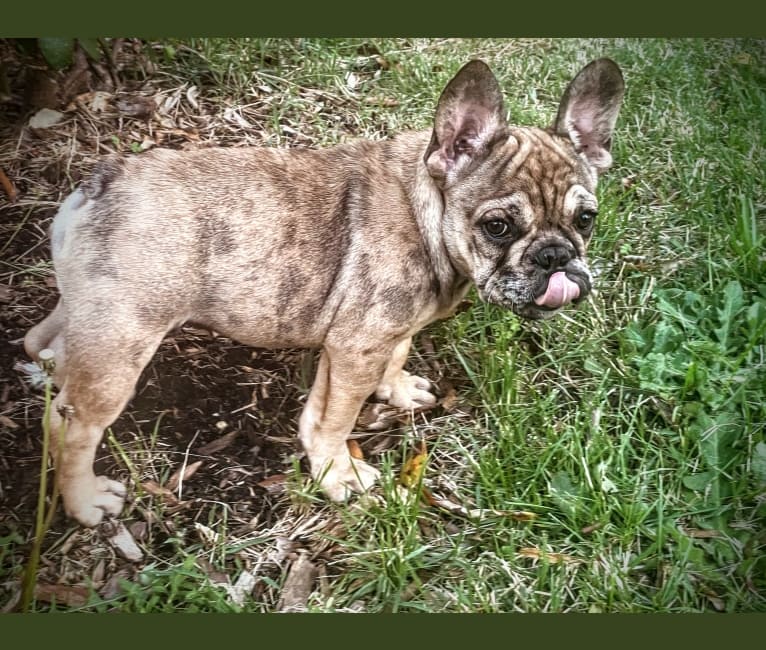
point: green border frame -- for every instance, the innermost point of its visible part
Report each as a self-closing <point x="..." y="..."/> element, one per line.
<point x="352" y="630"/>
<point x="391" y="18"/>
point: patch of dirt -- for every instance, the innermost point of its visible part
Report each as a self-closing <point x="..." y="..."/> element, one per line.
<point x="198" y="389"/>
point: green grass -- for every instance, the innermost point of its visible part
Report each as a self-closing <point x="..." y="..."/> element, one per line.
<point x="627" y="426"/>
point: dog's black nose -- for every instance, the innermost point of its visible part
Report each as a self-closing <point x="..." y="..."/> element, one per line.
<point x="554" y="257"/>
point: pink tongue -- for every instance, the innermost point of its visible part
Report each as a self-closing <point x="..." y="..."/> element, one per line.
<point x="560" y="291"/>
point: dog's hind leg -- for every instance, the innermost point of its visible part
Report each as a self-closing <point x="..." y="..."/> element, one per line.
<point x="343" y="381"/>
<point x="101" y="376"/>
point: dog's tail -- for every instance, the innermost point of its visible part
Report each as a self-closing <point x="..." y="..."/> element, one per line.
<point x="62" y="222"/>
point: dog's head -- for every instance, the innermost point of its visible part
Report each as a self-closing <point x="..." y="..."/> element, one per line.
<point x="519" y="203"/>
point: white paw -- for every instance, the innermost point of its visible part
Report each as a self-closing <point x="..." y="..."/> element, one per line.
<point x="89" y="500"/>
<point x="342" y="476"/>
<point x="407" y="392"/>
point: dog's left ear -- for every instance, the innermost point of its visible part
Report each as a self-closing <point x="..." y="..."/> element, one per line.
<point x="470" y="119"/>
<point x="589" y="109"/>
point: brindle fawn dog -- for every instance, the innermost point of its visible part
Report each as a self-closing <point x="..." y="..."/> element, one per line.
<point x="350" y="249"/>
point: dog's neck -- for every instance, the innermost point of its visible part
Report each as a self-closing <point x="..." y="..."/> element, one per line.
<point x="427" y="202"/>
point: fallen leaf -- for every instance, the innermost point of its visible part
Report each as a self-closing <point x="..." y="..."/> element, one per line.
<point x="113" y="586"/>
<point x="274" y="484"/>
<point x="96" y="102"/>
<point x="551" y="558"/>
<point x="182" y="474"/>
<point x="587" y="530"/>
<point x="388" y="102"/>
<point x="191" y="96"/>
<point x="298" y="585"/>
<point x="476" y="513"/>
<point x="355" y="450"/>
<point x="69" y="595"/>
<point x="701" y="534"/>
<point x="218" y="444"/>
<point x="377" y="417"/>
<point x="45" y="118"/>
<point x="10" y="190"/>
<point x="156" y="490"/>
<point x="449" y="400"/>
<point x="242" y="588"/>
<point x="136" y="106"/>
<point x="412" y="470"/>
<point x="206" y="534"/>
<point x="7" y="422"/>
<point x="122" y="541"/>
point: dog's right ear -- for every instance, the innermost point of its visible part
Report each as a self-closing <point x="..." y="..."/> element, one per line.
<point x="470" y="119"/>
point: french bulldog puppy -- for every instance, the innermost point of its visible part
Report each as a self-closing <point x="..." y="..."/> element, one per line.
<point x="351" y="249"/>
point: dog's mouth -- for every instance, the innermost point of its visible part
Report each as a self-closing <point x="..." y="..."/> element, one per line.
<point x="559" y="290"/>
<point x="551" y="293"/>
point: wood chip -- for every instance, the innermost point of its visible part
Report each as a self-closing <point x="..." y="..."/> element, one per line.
<point x="298" y="584"/>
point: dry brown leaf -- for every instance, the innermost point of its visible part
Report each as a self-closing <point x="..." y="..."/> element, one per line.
<point x="377" y="417"/>
<point x="6" y="293"/>
<point x="69" y="595"/>
<point x="218" y="444"/>
<point x="9" y="188"/>
<point x="412" y="470"/>
<point x="476" y="513"/>
<point x="355" y="450"/>
<point x="183" y="474"/>
<point x="587" y="530"/>
<point x="449" y="400"/>
<point x="551" y="558"/>
<point x="388" y="102"/>
<point x="156" y="490"/>
<point x="7" y="422"/>
<point x="274" y="484"/>
<point x="701" y="534"/>
<point x="298" y="585"/>
<point x="120" y="538"/>
<point x="136" y="106"/>
<point x="242" y="588"/>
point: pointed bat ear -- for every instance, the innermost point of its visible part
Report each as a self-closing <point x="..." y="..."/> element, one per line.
<point x="589" y="109"/>
<point x="470" y="119"/>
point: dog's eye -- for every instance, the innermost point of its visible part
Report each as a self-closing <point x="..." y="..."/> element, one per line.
<point x="585" y="220"/>
<point x="496" y="228"/>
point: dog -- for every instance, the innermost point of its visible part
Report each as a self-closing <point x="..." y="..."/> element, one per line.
<point x="350" y="249"/>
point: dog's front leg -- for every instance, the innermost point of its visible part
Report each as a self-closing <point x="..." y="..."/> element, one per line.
<point x="400" y="388"/>
<point x="343" y="381"/>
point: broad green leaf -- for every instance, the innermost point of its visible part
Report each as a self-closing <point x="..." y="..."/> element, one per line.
<point x="564" y="494"/>
<point x="732" y="305"/>
<point x="57" y="51"/>
<point x="717" y="440"/>
<point x="91" y="47"/>
<point x="758" y="462"/>
<point x="698" y="482"/>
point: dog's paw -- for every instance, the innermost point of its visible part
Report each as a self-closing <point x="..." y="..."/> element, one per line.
<point x="88" y="501"/>
<point x="341" y="477"/>
<point x="407" y="392"/>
